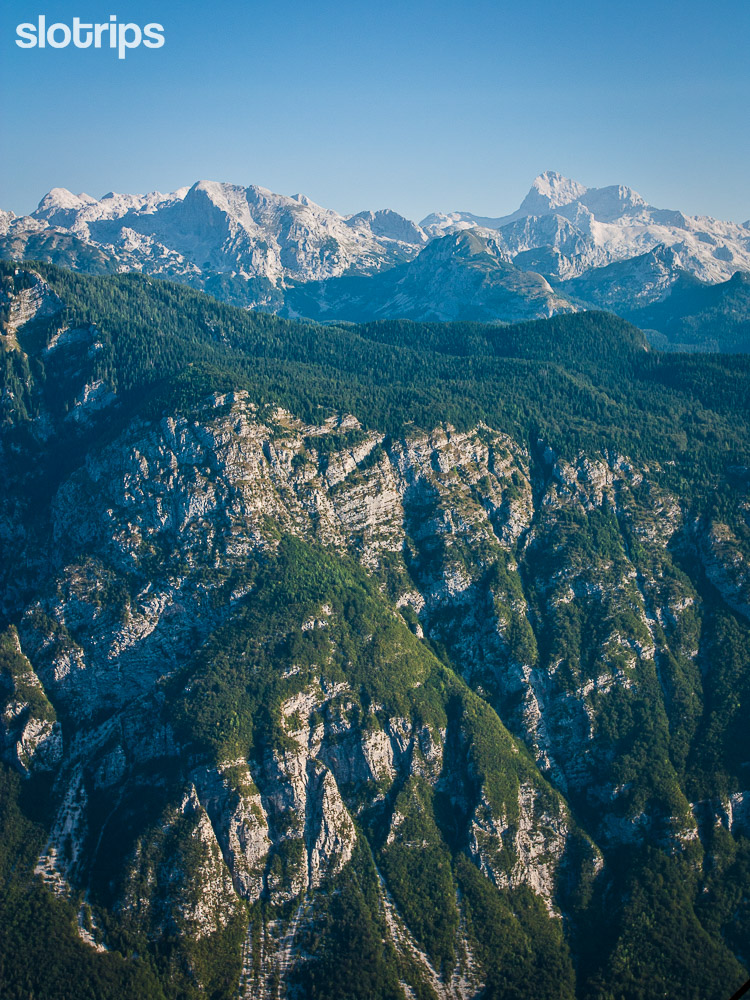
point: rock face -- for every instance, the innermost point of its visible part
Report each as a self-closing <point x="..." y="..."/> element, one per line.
<point x="449" y="506"/>
<point x="281" y="826"/>
<point x="30" y="300"/>
<point x="30" y="735"/>
<point x="537" y="840"/>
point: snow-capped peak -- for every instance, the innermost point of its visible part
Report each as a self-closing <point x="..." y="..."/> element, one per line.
<point x="563" y="228"/>
<point x="214" y="227"/>
<point x="60" y="198"/>
<point x="6" y="218"/>
<point x="389" y="225"/>
<point x="608" y="204"/>
<point x="549" y="191"/>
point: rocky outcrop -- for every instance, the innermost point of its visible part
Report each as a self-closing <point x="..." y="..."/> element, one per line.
<point x="178" y="881"/>
<point x="525" y="850"/>
<point x="22" y="299"/>
<point x="235" y="809"/>
<point x="725" y="562"/>
<point x="30" y="735"/>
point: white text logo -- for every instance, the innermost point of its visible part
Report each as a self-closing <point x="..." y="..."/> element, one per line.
<point x="83" y="35"/>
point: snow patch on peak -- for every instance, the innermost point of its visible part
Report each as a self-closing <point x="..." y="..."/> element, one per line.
<point x="261" y="192"/>
<point x="439" y="223"/>
<point x="217" y="192"/>
<point x="6" y="218"/>
<point x="388" y="224"/>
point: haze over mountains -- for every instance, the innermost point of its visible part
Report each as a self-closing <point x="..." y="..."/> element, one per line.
<point x="566" y="248"/>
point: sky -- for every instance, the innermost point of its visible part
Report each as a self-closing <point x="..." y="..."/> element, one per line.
<point x="413" y="105"/>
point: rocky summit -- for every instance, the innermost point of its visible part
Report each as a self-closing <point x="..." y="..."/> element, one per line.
<point x="399" y="660"/>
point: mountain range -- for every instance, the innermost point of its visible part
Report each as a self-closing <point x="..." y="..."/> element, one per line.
<point x="566" y="248"/>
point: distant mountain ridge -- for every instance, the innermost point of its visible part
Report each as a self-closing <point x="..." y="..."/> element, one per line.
<point x="465" y="275"/>
<point x="592" y="227"/>
<point x="216" y="227"/>
<point x="567" y="247"/>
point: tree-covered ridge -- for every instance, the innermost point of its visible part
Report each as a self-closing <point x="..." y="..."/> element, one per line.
<point x="700" y="317"/>
<point x="576" y="381"/>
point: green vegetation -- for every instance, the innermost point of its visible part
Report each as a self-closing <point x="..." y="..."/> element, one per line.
<point x="346" y="939"/>
<point x="41" y="954"/>
<point x="575" y="605"/>
<point x="228" y="699"/>
<point x="417" y="867"/>
<point x="700" y="317"/>
<point x="520" y="947"/>
<point x="18" y="680"/>
<point x="575" y="381"/>
<point x="660" y="941"/>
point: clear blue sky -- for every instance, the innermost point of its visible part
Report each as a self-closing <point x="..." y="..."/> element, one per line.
<point x="414" y="105"/>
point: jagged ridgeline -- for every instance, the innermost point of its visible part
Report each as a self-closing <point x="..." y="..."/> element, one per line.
<point x="384" y="661"/>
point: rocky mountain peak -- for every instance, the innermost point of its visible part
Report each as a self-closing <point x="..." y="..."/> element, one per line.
<point x="464" y="243"/>
<point x="390" y="225"/>
<point x="549" y="191"/>
<point x="304" y="200"/>
<point x="60" y="197"/>
<point x="60" y="206"/>
<point x="611" y="203"/>
<point x="249" y="245"/>
<point x="564" y="229"/>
